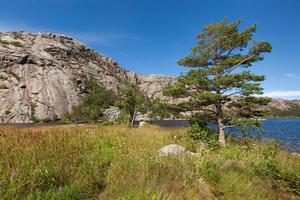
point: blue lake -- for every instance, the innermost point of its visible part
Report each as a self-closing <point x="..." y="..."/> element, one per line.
<point x="286" y="130"/>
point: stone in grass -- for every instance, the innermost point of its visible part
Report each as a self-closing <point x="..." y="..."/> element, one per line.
<point x="295" y="154"/>
<point x="143" y="123"/>
<point x="172" y="149"/>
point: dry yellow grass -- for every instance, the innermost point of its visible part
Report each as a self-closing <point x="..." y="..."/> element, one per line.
<point x="118" y="162"/>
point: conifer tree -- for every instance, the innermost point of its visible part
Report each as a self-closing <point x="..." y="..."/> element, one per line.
<point x="220" y="85"/>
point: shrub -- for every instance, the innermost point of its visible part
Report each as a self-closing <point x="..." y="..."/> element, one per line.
<point x="200" y="133"/>
<point x="96" y="100"/>
<point x="46" y="120"/>
<point x="159" y="110"/>
<point x="271" y="149"/>
<point x="270" y="169"/>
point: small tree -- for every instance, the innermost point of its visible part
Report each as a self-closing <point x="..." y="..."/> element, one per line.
<point x="220" y="65"/>
<point x="133" y="101"/>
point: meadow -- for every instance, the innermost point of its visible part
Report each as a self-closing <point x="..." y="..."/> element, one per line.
<point x="119" y="162"/>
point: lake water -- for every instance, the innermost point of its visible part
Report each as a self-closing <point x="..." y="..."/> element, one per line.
<point x="286" y="130"/>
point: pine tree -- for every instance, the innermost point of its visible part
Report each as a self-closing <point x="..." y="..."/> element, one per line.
<point x="219" y="83"/>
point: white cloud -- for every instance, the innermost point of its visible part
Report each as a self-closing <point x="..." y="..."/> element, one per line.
<point x="294" y="76"/>
<point x="282" y="94"/>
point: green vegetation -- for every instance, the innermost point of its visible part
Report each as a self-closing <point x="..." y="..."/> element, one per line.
<point x="119" y="162"/>
<point x="7" y="112"/>
<point x="294" y="111"/>
<point x="220" y="64"/>
<point x="122" y="163"/>
<point x="160" y="110"/>
<point x="97" y="99"/>
<point x="135" y="102"/>
<point x="198" y="132"/>
<point x="131" y="103"/>
<point x="32" y="116"/>
<point x="13" y="74"/>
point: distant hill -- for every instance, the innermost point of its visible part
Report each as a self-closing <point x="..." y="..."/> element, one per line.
<point x="284" y="108"/>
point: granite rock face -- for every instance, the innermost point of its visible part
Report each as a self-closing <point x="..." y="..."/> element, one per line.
<point x="282" y="104"/>
<point x="112" y="113"/>
<point x="42" y="75"/>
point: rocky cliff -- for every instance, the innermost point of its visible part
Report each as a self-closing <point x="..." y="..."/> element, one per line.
<point x="284" y="108"/>
<point x="282" y="104"/>
<point x="42" y="75"/>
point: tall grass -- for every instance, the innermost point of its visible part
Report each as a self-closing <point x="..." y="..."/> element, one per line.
<point x="118" y="162"/>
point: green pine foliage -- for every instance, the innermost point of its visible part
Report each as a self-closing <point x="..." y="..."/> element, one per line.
<point x="160" y="110"/>
<point x="220" y="66"/>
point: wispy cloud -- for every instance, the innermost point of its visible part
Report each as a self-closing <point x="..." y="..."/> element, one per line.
<point x="293" y="76"/>
<point x="282" y="94"/>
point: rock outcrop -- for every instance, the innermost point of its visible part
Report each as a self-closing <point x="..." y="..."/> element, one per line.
<point x="42" y="75"/>
<point x="112" y="113"/>
<point x="282" y="104"/>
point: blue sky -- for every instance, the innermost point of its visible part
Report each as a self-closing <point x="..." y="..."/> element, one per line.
<point x="149" y="36"/>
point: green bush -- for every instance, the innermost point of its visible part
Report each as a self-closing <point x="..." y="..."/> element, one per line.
<point x="200" y="133"/>
<point x="270" y="169"/>
<point x="107" y="123"/>
<point x="271" y="150"/>
<point x="159" y="110"/>
<point x="46" y="120"/>
<point x="97" y="99"/>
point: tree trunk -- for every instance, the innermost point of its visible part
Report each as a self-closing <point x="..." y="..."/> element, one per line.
<point x="132" y="121"/>
<point x="221" y="132"/>
<point x="132" y="117"/>
<point x="220" y="116"/>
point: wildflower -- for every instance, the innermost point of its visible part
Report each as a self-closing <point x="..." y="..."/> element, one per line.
<point x="13" y="174"/>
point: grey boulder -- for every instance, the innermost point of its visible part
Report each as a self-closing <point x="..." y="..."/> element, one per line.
<point x="171" y="149"/>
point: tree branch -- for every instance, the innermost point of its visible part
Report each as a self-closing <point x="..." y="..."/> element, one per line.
<point x="233" y="93"/>
<point x="237" y="65"/>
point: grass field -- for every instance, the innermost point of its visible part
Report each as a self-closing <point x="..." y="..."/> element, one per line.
<point x="118" y="162"/>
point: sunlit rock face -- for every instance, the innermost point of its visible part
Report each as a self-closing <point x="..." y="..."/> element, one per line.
<point x="42" y="75"/>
